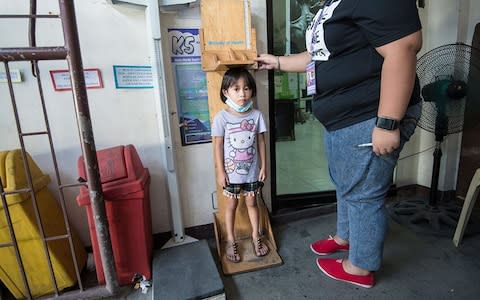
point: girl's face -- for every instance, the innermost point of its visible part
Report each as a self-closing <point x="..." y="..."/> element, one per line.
<point x="239" y="92"/>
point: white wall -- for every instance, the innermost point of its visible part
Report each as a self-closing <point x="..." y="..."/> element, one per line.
<point x="109" y="35"/>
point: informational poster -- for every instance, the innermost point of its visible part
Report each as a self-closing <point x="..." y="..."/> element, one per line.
<point x="61" y="79"/>
<point x="133" y="77"/>
<point x="190" y="86"/>
<point x="15" y="76"/>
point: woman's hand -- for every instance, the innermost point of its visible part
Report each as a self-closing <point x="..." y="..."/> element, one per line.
<point x="267" y="62"/>
<point x="291" y="63"/>
<point x="385" y="141"/>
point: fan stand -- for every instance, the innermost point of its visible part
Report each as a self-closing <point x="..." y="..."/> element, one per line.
<point x="434" y="217"/>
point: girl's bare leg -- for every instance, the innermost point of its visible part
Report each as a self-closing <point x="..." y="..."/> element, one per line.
<point x="260" y="248"/>
<point x="231" y="249"/>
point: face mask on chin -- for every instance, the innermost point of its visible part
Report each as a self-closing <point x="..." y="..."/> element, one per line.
<point x="239" y="108"/>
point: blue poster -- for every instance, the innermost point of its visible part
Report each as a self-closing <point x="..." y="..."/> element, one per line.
<point x="190" y="86"/>
<point x="192" y="101"/>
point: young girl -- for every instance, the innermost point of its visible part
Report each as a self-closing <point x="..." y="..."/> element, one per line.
<point x="239" y="142"/>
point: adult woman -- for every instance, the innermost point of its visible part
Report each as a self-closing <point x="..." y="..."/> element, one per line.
<point x="363" y="53"/>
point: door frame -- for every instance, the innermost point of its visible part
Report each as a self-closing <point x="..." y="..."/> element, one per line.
<point x="287" y="202"/>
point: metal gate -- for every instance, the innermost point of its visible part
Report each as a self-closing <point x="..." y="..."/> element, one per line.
<point x="71" y="53"/>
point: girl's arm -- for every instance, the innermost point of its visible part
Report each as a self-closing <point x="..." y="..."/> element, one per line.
<point x="291" y="63"/>
<point x="261" y="155"/>
<point x="222" y="179"/>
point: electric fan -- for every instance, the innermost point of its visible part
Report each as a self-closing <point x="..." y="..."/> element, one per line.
<point x="445" y="74"/>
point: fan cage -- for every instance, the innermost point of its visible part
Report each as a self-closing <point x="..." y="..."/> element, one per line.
<point x="453" y="62"/>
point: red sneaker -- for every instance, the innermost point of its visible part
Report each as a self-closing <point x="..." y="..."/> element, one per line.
<point x="328" y="246"/>
<point x="333" y="268"/>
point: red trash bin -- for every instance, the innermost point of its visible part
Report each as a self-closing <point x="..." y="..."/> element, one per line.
<point x="125" y="184"/>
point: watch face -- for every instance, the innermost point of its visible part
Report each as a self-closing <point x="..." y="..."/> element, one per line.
<point x="385" y="123"/>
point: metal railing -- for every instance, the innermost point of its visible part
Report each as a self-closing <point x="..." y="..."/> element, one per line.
<point x="71" y="53"/>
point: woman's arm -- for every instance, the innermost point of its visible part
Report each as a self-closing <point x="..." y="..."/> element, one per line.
<point x="222" y="179"/>
<point x="398" y="74"/>
<point x="397" y="81"/>
<point x="261" y="155"/>
<point x="291" y="63"/>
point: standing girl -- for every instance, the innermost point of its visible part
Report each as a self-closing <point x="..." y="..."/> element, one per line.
<point x="239" y="143"/>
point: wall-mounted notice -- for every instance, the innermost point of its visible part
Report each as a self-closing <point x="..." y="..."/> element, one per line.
<point x="61" y="79"/>
<point x="15" y="76"/>
<point x="133" y="77"/>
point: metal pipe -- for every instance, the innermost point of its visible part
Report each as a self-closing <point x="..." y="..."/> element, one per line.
<point x="32" y="53"/>
<point x="17" y="191"/>
<point x="68" y="185"/>
<point x="74" y="59"/>
<point x="26" y="166"/>
<point x="437" y="157"/>
<point x="32" y="25"/>
<point x="153" y="14"/>
<point x="2" y="245"/>
<point x="29" y="16"/>
<point x="14" y="243"/>
<point x="34" y="133"/>
<point x="57" y="175"/>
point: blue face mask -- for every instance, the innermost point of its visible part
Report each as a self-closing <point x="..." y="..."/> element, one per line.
<point x="239" y="108"/>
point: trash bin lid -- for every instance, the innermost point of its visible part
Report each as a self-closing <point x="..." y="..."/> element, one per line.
<point x="117" y="164"/>
<point x="112" y="191"/>
<point x="14" y="177"/>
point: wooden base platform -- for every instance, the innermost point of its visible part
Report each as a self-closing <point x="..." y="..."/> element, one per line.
<point x="249" y="261"/>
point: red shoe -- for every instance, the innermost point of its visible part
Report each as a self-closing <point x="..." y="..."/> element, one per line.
<point x="328" y="246"/>
<point x="333" y="268"/>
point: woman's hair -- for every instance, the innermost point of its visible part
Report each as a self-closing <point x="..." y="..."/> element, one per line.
<point x="232" y="76"/>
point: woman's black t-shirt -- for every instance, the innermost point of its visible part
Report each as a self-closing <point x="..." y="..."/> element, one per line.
<point x="348" y="68"/>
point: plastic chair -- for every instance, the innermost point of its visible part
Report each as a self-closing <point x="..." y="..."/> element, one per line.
<point x="470" y="199"/>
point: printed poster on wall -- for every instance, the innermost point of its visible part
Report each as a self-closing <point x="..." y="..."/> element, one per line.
<point x="190" y="86"/>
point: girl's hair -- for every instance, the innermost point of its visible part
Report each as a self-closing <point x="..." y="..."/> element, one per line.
<point x="232" y="76"/>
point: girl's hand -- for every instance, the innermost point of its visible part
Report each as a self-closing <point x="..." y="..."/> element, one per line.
<point x="262" y="175"/>
<point x="222" y="179"/>
<point x="385" y="141"/>
<point x="267" y="62"/>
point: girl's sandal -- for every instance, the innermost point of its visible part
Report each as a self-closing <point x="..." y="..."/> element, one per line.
<point x="231" y="252"/>
<point x="259" y="247"/>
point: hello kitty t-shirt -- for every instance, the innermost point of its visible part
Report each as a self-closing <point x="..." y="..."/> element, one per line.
<point x="240" y="143"/>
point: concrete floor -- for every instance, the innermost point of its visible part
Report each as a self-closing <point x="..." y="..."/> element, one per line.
<point x="415" y="267"/>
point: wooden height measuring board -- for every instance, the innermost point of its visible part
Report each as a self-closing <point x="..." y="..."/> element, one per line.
<point x="228" y="40"/>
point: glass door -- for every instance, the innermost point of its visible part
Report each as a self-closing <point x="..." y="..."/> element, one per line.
<point x="300" y="171"/>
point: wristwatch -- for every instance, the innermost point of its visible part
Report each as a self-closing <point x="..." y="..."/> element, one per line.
<point x="386" y="123"/>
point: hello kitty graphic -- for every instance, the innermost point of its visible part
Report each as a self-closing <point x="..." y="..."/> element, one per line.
<point x="242" y="141"/>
